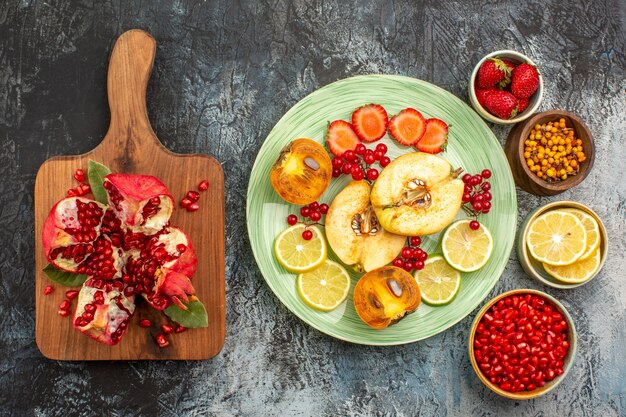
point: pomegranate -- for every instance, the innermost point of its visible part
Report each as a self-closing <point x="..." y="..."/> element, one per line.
<point x="103" y="311"/>
<point x="141" y="202"/>
<point x="70" y="231"/>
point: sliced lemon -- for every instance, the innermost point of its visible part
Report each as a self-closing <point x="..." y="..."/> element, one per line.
<point x="592" y="229"/>
<point x="557" y="238"/>
<point x="438" y="281"/>
<point x="579" y="271"/>
<point x="297" y="254"/>
<point x="465" y="249"/>
<point x="325" y="287"/>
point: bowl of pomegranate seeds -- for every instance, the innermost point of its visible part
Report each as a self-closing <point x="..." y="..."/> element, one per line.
<point x="522" y="344"/>
<point x="505" y="87"/>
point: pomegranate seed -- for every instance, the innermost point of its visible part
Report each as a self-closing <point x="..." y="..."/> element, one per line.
<point x="181" y="248"/>
<point x="166" y="328"/>
<point x="65" y="305"/>
<point x="145" y="323"/>
<point x="63" y="313"/>
<point x="185" y="202"/>
<point x="71" y="294"/>
<point x="193" y="207"/>
<point x="84" y="188"/>
<point x="162" y="340"/>
<point x="72" y="192"/>
<point x="180" y="329"/>
<point x="193" y="196"/>
<point x="48" y="290"/>
<point x="79" y="175"/>
<point x="204" y="185"/>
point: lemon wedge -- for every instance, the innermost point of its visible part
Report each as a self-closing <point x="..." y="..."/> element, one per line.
<point x="579" y="271"/>
<point x="592" y="229"/>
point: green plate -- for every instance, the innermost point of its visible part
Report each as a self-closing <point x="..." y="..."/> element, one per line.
<point x="471" y="145"/>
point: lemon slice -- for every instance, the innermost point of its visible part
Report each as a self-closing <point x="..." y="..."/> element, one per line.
<point x="325" y="287"/>
<point x="592" y="229"/>
<point x="465" y="249"/>
<point x="579" y="271"/>
<point x="557" y="238"/>
<point x="297" y="254"/>
<point x="438" y="281"/>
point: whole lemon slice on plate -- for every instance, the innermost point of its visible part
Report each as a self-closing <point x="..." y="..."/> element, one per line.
<point x="297" y="254"/>
<point x="556" y="238"/>
<point x="579" y="271"/>
<point x="325" y="287"/>
<point x="465" y="249"/>
<point x="592" y="229"/>
<point x="438" y="281"/>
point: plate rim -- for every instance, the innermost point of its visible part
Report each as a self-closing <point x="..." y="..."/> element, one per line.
<point x="331" y="332"/>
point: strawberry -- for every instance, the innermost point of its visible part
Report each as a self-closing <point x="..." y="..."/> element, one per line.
<point x="501" y="104"/>
<point x="524" y="81"/>
<point x="370" y="122"/>
<point x="407" y="127"/>
<point x="493" y="71"/>
<point x="435" y="138"/>
<point x="482" y="93"/>
<point x="341" y="137"/>
<point x="523" y="103"/>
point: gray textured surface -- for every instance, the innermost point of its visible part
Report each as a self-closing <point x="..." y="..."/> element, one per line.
<point x="224" y="74"/>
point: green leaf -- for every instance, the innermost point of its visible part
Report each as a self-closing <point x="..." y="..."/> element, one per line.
<point x="63" y="277"/>
<point x="96" y="173"/>
<point x="194" y="316"/>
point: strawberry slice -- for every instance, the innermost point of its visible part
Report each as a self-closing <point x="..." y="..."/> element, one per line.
<point x="436" y="137"/>
<point x="407" y="127"/>
<point x="370" y="122"/>
<point x="341" y="137"/>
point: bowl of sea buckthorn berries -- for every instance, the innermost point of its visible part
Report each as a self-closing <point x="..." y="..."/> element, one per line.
<point x="550" y="152"/>
<point x="522" y="344"/>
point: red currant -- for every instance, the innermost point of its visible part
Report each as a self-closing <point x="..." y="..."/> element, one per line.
<point x="485" y="174"/>
<point x="407" y="252"/>
<point x="349" y="156"/>
<point x="292" y="219"/>
<point x="466" y="178"/>
<point x="346" y="168"/>
<point x="372" y="174"/>
<point x="408" y="266"/>
<point x="382" y="148"/>
<point x="305" y="211"/>
<point x="358" y="174"/>
<point x="486" y="205"/>
<point x="415" y="240"/>
<point x="378" y="155"/>
<point x="384" y="161"/>
<point x="466" y="198"/>
<point x="474" y="225"/>
<point x="337" y="162"/>
<point x="478" y="206"/>
<point x="467" y="189"/>
<point x="399" y="262"/>
<point x="420" y="254"/>
<point x="324" y="208"/>
<point x="486" y="186"/>
<point x="369" y="158"/>
<point x="475" y="180"/>
<point x="478" y="197"/>
<point x="419" y="265"/>
<point x="307" y="235"/>
<point x="360" y="149"/>
<point x="314" y="205"/>
<point x="487" y="196"/>
<point x="315" y="215"/>
<point x="336" y="172"/>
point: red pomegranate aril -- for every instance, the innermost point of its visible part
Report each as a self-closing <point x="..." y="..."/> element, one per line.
<point x="180" y="329"/>
<point x="162" y="340"/>
<point x="84" y="188"/>
<point x="145" y="323"/>
<point x="167" y="329"/>
<point x="79" y="175"/>
<point x="204" y="185"/>
<point x="185" y="202"/>
<point x="48" y="290"/>
<point x="193" y="196"/>
<point x="65" y="305"/>
<point x="63" y="313"/>
<point x="192" y="207"/>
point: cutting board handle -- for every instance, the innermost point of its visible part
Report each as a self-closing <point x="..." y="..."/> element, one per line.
<point x="130" y="67"/>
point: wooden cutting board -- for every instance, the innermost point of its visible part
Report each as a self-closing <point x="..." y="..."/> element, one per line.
<point x="130" y="146"/>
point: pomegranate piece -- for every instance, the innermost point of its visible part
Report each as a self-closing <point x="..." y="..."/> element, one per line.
<point x="193" y="207"/>
<point x="160" y="269"/>
<point x="167" y="329"/>
<point x="145" y="323"/>
<point x="162" y="340"/>
<point x="193" y="196"/>
<point x="141" y="202"/>
<point x="203" y="186"/>
<point x="79" y="175"/>
<point x="70" y="230"/>
<point x="180" y="329"/>
<point x="63" y="313"/>
<point x="71" y="294"/>
<point x="48" y="290"/>
<point x="103" y="311"/>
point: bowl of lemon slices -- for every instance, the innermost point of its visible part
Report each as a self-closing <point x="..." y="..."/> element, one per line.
<point x="562" y="244"/>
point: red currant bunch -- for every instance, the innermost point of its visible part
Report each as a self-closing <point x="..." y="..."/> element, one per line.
<point x="313" y="212"/>
<point x="358" y="162"/>
<point x="412" y="256"/>
<point x="476" y="194"/>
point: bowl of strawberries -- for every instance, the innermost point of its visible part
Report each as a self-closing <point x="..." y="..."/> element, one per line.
<point x="505" y="87"/>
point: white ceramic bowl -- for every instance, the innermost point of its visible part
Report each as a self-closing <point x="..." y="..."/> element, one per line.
<point x="535" y="99"/>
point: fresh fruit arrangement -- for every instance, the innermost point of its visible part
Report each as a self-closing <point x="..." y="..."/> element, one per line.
<point x="521" y="342"/>
<point x="118" y="246"/>
<point x="567" y="243"/>
<point x="505" y="89"/>
<point x="379" y="217"/>
<point x="553" y="152"/>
